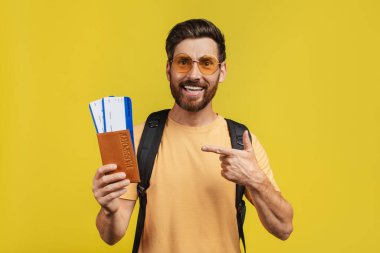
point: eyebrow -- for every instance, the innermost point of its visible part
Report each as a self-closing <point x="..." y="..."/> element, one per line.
<point x="209" y="55"/>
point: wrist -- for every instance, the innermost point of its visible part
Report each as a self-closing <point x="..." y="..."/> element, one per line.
<point x="108" y="213"/>
<point x="258" y="183"/>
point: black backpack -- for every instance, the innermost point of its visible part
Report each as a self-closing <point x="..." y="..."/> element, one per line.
<point x="146" y="154"/>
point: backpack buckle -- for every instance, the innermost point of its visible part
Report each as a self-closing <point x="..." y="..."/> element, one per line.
<point x="141" y="191"/>
<point x="153" y="123"/>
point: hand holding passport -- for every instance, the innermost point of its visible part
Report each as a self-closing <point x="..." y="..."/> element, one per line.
<point x="112" y="117"/>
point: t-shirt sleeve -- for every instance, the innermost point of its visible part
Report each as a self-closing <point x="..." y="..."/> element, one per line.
<point x="263" y="161"/>
<point x="131" y="193"/>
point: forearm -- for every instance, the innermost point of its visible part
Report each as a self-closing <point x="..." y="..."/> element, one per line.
<point x="111" y="227"/>
<point x="275" y="213"/>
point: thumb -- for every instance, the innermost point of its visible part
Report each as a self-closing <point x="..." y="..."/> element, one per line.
<point x="247" y="142"/>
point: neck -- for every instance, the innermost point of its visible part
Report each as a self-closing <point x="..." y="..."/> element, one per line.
<point x="194" y="119"/>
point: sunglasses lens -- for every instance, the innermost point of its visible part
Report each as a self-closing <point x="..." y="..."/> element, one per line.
<point x="182" y="63"/>
<point x="208" y="65"/>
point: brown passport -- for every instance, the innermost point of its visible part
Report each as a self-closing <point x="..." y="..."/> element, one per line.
<point x="116" y="147"/>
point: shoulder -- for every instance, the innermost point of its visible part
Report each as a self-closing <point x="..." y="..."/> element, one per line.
<point x="138" y="129"/>
<point x="255" y="142"/>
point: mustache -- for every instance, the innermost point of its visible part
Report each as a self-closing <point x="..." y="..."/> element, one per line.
<point x="195" y="83"/>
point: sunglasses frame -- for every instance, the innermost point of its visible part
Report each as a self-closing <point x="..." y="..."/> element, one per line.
<point x="197" y="61"/>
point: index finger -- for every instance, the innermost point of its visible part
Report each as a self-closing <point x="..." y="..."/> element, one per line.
<point x="104" y="170"/>
<point x="218" y="150"/>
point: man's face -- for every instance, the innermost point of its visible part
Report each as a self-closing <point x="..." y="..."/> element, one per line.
<point x="193" y="91"/>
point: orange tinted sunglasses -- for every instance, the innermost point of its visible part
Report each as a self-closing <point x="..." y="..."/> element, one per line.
<point x="207" y="64"/>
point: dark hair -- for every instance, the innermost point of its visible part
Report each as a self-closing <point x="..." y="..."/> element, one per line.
<point x="193" y="29"/>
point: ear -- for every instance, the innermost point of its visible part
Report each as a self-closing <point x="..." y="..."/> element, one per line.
<point x="223" y="72"/>
<point x="168" y="70"/>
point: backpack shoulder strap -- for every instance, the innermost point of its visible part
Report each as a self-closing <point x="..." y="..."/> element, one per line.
<point x="146" y="154"/>
<point x="148" y="146"/>
<point x="236" y="131"/>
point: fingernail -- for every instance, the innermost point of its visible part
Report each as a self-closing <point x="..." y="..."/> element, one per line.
<point x="114" y="166"/>
<point x="122" y="175"/>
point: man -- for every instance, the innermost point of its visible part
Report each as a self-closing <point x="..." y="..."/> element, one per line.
<point x="192" y="189"/>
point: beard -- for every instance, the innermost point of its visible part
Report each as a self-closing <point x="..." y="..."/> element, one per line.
<point x="192" y="105"/>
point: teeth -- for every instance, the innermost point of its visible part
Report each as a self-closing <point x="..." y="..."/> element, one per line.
<point x="193" y="88"/>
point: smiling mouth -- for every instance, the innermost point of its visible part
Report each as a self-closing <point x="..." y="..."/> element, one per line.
<point x="192" y="88"/>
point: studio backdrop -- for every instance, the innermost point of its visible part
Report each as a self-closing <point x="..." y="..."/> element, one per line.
<point x="302" y="75"/>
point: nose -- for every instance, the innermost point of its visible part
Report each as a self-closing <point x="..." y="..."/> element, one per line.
<point x="195" y="73"/>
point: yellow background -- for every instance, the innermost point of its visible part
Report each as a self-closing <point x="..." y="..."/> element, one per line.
<point x="303" y="75"/>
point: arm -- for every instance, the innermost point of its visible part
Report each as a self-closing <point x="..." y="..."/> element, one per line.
<point x="112" y="226"/>
<point x="241" y="167"/>
<point x="113" y="218"/>
<point x="275" y="213"/>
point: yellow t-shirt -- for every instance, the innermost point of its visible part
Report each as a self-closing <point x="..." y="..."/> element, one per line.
<point x="190" y="206"/>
